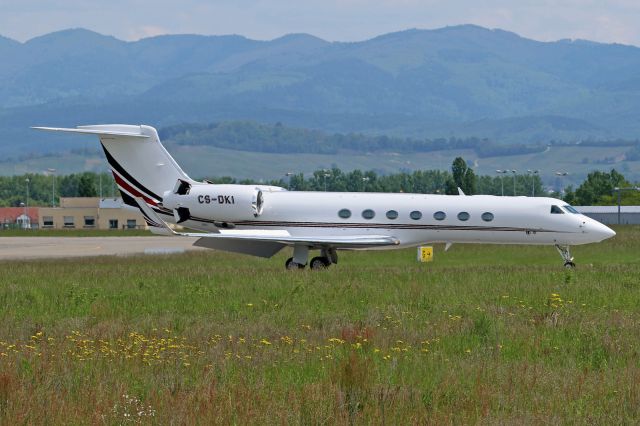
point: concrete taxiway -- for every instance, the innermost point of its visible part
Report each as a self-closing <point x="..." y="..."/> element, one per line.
<point x="14" y="248"/>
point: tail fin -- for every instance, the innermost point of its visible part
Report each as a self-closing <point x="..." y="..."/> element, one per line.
<point x="141" y="166"/>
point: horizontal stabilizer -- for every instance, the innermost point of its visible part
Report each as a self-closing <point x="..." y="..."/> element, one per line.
<point x="97" y="130"/>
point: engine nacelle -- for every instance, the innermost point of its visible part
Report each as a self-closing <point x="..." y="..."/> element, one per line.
<point x="221" y="203"/>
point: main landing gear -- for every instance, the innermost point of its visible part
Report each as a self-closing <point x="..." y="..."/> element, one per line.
<point x="319" y="262"/>
<point x="290" y="264"/>
<point x="566" y="256"/>
<point x="301" y="254"/>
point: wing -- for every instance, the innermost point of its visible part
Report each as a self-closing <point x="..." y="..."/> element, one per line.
<point x="263" y="243"/>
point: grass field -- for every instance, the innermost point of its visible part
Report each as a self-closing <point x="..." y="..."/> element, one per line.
<point x="485" y="334"/>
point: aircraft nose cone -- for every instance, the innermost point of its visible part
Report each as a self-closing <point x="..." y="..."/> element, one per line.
<point x="610" y="232"/>
<point x="601" y="232"/>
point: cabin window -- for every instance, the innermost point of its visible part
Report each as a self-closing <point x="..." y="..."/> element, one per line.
<point x="415" y="215"/>
<point x="487" y="216"/>
<point x="439" y="215"/>
<point x="463" y="216"/>
<point x="392" y="214"/>
<point x="556" y="210"/>
<point x="344" y="213"/>
<point x="571" y="209"/>
<point x="368" y="214"/>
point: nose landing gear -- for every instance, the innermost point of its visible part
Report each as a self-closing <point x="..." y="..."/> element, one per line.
<point x="566" y="256"/>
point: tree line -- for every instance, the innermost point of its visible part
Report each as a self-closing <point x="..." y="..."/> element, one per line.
<point x="46" y="189"/>
<point x="597" y="189"/>
<point x="277" y="138"/>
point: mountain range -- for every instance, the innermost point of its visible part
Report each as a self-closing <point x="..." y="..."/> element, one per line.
<point x="455" y="81"/>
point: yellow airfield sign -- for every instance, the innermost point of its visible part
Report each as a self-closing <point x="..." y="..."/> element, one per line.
<point x="425" y="254"/>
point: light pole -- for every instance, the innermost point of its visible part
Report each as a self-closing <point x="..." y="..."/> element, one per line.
<point x="326" y="175"/>
<point x="533" y="173"/>
<point x="52" y="172"/>
<point x="364" y="184"/>
<point x="619" y="190"/>
<point x="501" y="173"/>
<point x="514" y="181"/>
<point x="26" y="206"/>
<point x="560" y="176"/>
<point x="288" y="175"/>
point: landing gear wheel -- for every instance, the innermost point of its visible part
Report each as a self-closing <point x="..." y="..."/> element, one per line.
<point x="290" y="264"/>
<point x="566" y="256"/>
<point x="319" y="262"/>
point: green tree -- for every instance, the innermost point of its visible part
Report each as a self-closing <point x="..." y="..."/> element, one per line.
<point x="597" y="186"/>
<point x="87" y="185"/>
<point x="463" y="177"/>
<point x="569" y="195"/>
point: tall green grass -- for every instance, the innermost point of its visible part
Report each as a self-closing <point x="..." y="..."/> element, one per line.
<point x="484" y="334"/>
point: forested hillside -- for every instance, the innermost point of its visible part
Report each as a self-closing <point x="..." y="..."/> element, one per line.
<point x="256" y="137"/>
<point x="460" y="82"/>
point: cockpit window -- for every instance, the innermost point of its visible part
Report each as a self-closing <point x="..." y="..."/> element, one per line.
<point x="556" y="210"/>
<point x="571" y="209"/>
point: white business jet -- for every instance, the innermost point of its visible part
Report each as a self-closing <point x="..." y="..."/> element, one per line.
<point x="261" y="220"/>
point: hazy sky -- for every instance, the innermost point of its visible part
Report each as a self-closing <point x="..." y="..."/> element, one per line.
<point x="344" y="20"/>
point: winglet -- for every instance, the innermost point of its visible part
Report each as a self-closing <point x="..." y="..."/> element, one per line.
<point x="156" y="225"/>
<point x="460" y="191"/>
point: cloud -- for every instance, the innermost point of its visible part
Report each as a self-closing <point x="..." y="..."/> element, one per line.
<point x="136" y="33"/>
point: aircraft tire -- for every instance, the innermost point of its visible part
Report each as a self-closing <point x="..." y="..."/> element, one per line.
<point x="319" y="262"/>
<point x="291" y="265"/>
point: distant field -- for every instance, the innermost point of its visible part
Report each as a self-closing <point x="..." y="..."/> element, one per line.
<point x="484" y="334"/>
<point x="200" y="161"/>
<point x="208" y="161"/>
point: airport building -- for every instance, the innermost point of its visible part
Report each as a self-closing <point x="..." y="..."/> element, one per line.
<point x="18" y="217"/>
<point x="90" y="213"/>
<point x="629" y="215"/>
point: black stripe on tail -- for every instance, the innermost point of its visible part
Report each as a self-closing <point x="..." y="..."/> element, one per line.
<point x="127" y="176"/>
